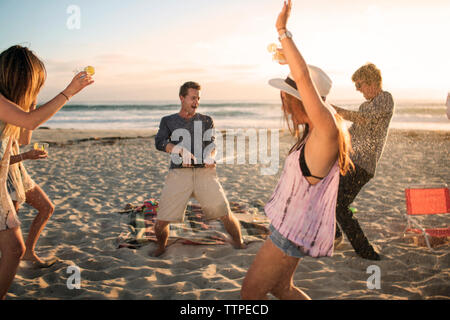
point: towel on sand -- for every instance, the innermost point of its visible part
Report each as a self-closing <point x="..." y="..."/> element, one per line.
<point x="194" y="230"/>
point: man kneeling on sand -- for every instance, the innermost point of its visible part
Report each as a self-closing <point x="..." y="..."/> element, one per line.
<point x="188" y="137"/>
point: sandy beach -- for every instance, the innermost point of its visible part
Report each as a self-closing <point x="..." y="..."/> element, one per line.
<point x="91" y="175"/>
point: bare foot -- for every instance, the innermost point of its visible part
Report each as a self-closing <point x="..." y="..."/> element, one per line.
<point x="240" y="245"/>
<point x="37" y="262"/>
<point x="32" y="257"/>
<point x="159" y="251"/>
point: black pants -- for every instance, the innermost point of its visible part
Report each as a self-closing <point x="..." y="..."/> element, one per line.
<point x="349" y="187"/>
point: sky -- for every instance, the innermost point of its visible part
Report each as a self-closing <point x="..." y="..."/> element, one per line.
<point x="143" y="50"/>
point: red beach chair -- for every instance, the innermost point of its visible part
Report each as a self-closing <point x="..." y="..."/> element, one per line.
<point x="427" y="201"/>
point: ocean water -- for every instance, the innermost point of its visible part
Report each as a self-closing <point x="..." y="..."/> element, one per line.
<point x="419" y="115"/>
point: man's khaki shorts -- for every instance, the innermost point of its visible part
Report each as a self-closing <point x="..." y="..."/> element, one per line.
<point x="184" y="183"/>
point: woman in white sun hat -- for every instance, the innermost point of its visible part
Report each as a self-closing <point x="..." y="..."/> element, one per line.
<point x="302" y="207"/>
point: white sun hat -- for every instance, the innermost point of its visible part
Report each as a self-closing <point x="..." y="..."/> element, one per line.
<point x="321" y="80"/>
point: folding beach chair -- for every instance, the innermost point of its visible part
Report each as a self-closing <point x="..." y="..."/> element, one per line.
<point x="426" y="201"/>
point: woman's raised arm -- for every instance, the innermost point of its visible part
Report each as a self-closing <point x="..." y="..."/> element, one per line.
<point x="13" y="114"/>
<point x="318" y="112"/>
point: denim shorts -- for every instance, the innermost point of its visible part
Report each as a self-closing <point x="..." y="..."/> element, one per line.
<point x="284" y="244"/>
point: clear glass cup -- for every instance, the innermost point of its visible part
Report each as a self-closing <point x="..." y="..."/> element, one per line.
<point x="89" y="70"/>
<point x="40" y="146"/>
<point x="276" y="54"/>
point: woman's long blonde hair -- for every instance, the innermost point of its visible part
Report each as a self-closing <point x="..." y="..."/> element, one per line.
<point x="345" y="147"/>
<point x="22" y="75"/>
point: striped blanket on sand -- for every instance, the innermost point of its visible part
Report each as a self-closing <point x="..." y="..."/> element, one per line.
<point x="194" y="230"/>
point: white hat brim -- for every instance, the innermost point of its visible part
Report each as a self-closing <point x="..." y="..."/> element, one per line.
<point x="283" y="86"/>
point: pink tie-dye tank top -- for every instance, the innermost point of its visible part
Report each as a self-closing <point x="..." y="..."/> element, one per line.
<point x="304" y="213"/>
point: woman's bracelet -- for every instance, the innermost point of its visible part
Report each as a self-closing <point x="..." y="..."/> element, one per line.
<point x="64" y="96"/>
<point x="21" y="158"/>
